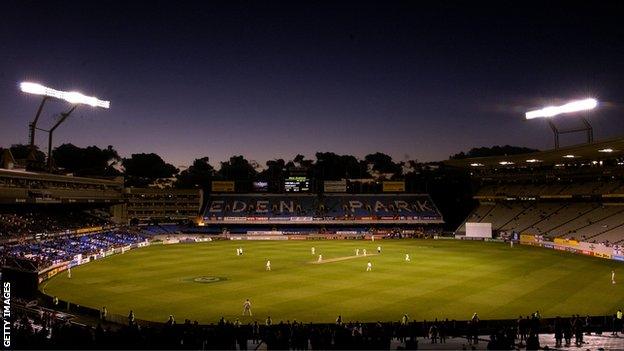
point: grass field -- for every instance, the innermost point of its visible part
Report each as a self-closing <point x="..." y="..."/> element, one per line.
<point x="445" y="278"/>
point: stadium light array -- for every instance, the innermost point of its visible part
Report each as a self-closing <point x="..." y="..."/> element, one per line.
<point x="569" y="156"/>
<point x="573" y="106"/>
<point x="607" y="150"/>
<point x="505" y="163"/>
<point x="72" y="97"/>
<point x="533" y="160"/>
<point x="476" y="164"/>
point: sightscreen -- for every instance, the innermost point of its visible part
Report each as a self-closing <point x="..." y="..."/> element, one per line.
<point x="479" y="230"/>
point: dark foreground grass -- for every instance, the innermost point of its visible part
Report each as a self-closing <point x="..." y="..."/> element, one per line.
<point x="445" y="279"/>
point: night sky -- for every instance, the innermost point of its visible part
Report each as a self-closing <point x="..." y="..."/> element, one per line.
<point x="193" y="79"/>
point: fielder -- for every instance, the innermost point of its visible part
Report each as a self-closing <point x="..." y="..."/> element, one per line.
<point x="69" y="272"/>
<point x="378" y="249"/>
<point x="364" y="251"/>
<point x="357" y="252"/>
<point x="320" y="259"/>
<point x="313" y="250"/>
<point x="247" y="307"/>
<point x="612" y="276"/>
<point x="407" y="258"/>
<point x="369" y="266"/>
<point x="268" y="265"/>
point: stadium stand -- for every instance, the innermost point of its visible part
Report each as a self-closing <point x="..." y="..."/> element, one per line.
<point x="580" y="198"/>
<point x="269" y="208"/>
<point x="30" y="187"/>
<point x="26" y="222"/>
<point x="60" y="249"/>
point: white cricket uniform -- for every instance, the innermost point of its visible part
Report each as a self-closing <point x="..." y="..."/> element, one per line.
<point x="247" y="308"/>
<point x="357" y="252"/>
<point x="369" y="267"/>
<point x="407" y="257"/>
<point x="268" y="265"/>
<point x="364" y="251"/>
<point x="68" y="272"/>
<point x="320" y="258"/>
<point x="612" y="277"/>
<point x="313" y="250"/>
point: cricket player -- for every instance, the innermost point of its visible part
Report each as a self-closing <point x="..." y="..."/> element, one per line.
<point x="313" y="250"/>
<point x="372" y="237"/>
<point x="407" y="258"/>
<point x="405" y="319"/>
<point x="247" y="307"/>
<point x="237" y="252"/>
<point x="240" y="249"/>
<point x="364" y="251"/>
<point x="357" y="252"/>
<point x="511" y="243"/>
<point x="268" y="265"/>
<point x="378" y="249"/>
<point x="612" y="276"/>
<point x="369" y="266"/>
<point x="320" y="259"/>
<point x="69" y="272"/>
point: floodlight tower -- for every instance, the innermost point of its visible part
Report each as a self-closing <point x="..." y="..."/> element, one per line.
<point x="574" y="106"/>
<point x="32" y="127"/>
<point x="72" y="97"/>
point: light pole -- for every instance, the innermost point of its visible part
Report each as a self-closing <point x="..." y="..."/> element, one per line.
<point x="74" y="98"/>
<point x="550" y="112"/>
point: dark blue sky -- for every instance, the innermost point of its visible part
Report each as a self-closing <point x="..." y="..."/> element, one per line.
<point x="193" y="79"/>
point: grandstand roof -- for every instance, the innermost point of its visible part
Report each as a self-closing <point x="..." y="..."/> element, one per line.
<point x="18" y="173"/>
<point x="596" y="151"/>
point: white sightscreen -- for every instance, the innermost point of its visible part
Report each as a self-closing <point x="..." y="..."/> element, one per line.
<point x="479" y="230"/>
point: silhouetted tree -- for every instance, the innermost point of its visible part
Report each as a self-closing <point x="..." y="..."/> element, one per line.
<point x="199" y="174"/>
<point x="89" y="161"/>
<point x="143" y="169"/>
<point x="20" y="153"/>
<point x="274" y="174"/>
<point x="493" y="151"/>
<point x="237" y="168"/>
<point x="330" y="166"/>
<point x="383" y="163"/>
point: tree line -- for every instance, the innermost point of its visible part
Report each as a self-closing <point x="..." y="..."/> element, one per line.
<point x="141" y="169"/>
<point x="451" y="189"/>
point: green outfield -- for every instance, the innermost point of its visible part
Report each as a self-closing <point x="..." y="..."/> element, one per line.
<point x="445" y="279"/>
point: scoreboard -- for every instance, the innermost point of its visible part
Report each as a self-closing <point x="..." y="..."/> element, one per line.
<point x="297" y="185"/>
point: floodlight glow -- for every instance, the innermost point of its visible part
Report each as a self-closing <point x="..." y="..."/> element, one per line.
<point x="607" y="150"/>
<point x="569" y="156"/>
<point x="72" y="97"/>
<point x="476" y="164"/>
<point x="505" y="163"/>
<point x="533" y="160"/>
<point x="573" y="106"/>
